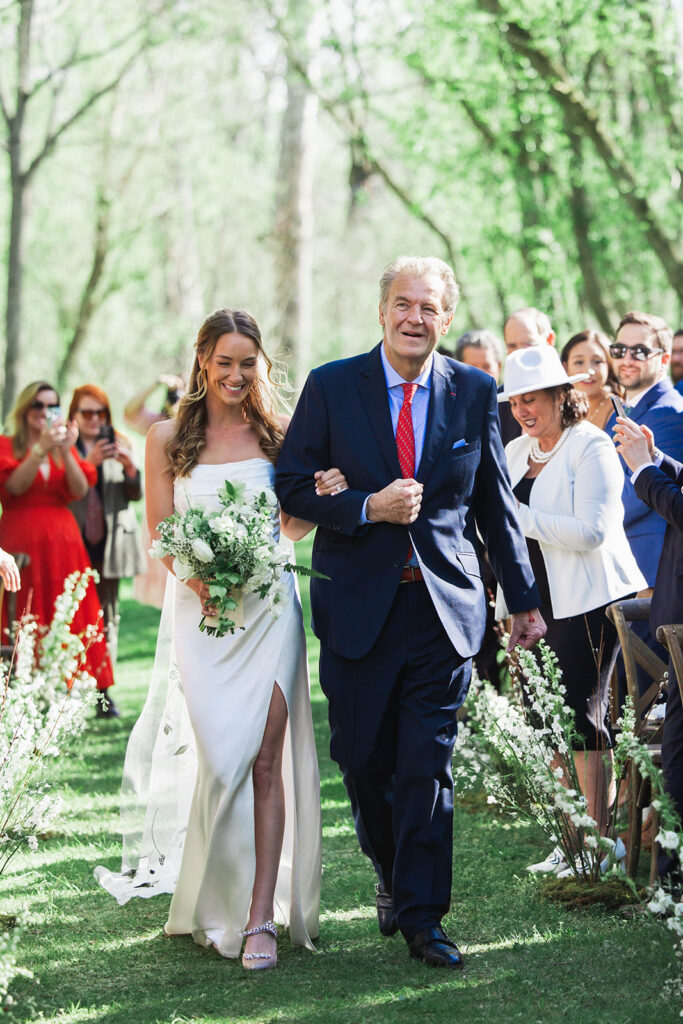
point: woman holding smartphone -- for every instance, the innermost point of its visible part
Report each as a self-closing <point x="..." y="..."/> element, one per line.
<point x="108" y="524"/>
<point x="40" y="473"/>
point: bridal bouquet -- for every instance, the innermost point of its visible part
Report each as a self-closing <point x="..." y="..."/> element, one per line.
<point x="232" y="550"/>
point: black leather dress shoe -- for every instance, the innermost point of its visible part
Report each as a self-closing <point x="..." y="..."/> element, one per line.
<point x="386" y="918"/>
<point x="433" y="946"/>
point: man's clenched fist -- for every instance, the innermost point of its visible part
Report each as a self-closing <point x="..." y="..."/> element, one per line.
<point x="399" y="502"/>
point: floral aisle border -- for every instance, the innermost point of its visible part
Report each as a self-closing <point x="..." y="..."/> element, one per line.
<point x="45" y="697"/>
<point x="519" y="747"/>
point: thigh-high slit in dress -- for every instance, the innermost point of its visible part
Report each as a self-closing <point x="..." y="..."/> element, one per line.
<point x="188" y="808"/>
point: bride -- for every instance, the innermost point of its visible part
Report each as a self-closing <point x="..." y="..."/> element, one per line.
<point x="221" y="801"/>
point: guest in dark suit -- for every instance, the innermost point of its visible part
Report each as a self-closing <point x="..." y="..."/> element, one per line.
<point x="676" y="365"/>
<point x="657" y="480"/>
<point x="484" y="349"/>
<point x="641" y="354"/>
<point x="417" y="437"/>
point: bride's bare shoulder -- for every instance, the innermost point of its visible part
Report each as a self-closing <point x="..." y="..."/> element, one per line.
<point x="159" y="434"/>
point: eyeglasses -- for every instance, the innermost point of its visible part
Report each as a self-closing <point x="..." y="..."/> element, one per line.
<point x="43" y="405"/>
<point x="91" y="414"/>
<point x="641" y="353"/>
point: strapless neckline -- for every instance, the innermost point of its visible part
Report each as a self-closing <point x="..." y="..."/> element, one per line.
<point x="237" y="462"/>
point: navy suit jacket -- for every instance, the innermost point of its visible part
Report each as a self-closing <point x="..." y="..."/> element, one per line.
<point x="342" y="419"/>
<point x="660" y="489"/>
<point x="661" y="409"/>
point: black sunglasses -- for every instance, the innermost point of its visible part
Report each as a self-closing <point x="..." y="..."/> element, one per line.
<point x="639" y="352"/>
<point x="43" y="405"/>
<point x="90" y="414"/>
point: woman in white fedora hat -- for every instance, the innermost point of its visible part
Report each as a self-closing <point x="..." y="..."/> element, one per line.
<point x="568" y="480"/>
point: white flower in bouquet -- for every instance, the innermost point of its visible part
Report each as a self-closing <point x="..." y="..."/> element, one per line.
<point x="182" y="569"/>
<point x="233" y="550"/>
<point x="221" y="525"/>
<point x="202" y="551"/>
<point x="277" y="596"/>
<point x="271" y="497"/>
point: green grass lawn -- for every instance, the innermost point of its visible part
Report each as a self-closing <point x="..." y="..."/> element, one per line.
<point x="526" y="959"/>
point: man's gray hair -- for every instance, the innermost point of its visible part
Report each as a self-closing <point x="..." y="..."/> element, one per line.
<point x="420" y="266"/>
<point x="540" y="321"/>
<point x="479" y="339"/>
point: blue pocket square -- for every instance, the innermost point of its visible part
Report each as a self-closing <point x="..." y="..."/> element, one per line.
<point x="458" y="444"/>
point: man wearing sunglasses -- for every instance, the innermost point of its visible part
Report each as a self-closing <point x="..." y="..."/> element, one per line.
<point x="641" y="353"/>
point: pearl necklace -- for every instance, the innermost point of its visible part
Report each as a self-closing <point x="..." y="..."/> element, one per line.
<point x="538" y="455"/>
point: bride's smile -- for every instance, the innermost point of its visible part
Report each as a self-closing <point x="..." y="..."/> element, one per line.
<point x="231" y="368"/>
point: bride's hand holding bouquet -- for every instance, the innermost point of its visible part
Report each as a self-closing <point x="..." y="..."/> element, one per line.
<point x="225" y="553"/>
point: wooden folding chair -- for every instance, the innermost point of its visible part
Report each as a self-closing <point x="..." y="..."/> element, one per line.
<point x="636" y="653"/>
<point x="7" y="649"/>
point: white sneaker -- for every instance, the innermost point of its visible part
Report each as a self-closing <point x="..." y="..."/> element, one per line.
<point x="619" y="860"/>
<point x="552" y="865"/>
<point x="570" y="872"/>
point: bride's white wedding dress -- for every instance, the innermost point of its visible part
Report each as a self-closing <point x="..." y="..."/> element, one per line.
<point x="187" y="793"/>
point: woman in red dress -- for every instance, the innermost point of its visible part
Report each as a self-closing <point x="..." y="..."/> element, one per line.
<point x="40" y="473"/>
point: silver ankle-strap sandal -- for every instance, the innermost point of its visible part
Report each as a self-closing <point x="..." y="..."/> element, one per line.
<point x="268" y="926"/>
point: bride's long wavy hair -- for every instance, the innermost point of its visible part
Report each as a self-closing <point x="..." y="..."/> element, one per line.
<point x="259" y="405"/>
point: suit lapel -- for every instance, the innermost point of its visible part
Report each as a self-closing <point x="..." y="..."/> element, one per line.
<point x="441" y="408"/>
<point x="372" y="385"/>
<point x="640" y="409"/>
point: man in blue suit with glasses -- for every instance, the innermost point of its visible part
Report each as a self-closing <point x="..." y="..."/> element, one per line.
<point x="417" y="438"/>
<point x="641" y="354"/>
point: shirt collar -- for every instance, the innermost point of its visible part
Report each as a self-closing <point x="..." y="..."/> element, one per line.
<point x="393" y="378"/>
<point x="633" y="399"/>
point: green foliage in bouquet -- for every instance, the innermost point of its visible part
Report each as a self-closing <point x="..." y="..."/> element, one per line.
<point x="232" y="549"/>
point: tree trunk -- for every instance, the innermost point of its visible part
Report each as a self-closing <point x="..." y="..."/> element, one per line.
<point x="18" y="207"/>
<point x="293" y="225"/>
<point x="580" y="212"/>
<point x="89" y="296"/>
<point x="15" y="270"/>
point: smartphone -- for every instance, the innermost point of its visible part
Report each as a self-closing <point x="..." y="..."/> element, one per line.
<point x="618" y="405"/>
<point x="106" y="434"/>
<point x="54" y="413"/>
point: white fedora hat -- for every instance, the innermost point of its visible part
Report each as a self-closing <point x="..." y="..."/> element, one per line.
<point x="534" y="369"/>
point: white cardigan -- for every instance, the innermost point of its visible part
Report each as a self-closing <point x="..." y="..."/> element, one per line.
<point x="576" y="514"/>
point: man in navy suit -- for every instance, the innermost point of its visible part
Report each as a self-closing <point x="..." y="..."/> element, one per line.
<point x="641" y="353"/>
<point x="676" y="365"/>
<point x="657" y="479"/>
<point x="417" y="438"/>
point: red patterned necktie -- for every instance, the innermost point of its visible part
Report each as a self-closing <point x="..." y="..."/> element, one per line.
<point x="405" y="439"/>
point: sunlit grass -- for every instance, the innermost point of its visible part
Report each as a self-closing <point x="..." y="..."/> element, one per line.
<point x="527" y="960"/>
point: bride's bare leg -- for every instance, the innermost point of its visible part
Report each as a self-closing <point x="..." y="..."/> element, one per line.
<point x="269" y="822"/>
